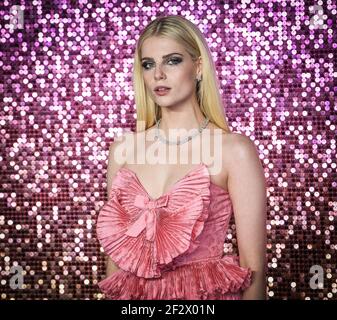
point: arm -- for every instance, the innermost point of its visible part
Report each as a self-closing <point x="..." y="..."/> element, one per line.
<point x="247" y="188"/>
<point x="113" y="167"/>
<point x="110" y="266"/>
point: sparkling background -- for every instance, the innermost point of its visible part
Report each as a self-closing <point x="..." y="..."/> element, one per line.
<point x="66" y="92"/>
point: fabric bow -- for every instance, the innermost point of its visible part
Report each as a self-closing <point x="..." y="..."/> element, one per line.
<point x="148" y="219"/>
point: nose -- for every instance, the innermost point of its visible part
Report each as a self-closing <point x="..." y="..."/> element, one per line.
<point x="158" y="72"/>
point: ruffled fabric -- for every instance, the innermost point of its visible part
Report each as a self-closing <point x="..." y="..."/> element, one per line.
<point x="141" y="234"/>
<point x="163" y="246"/>
<point x="219" y="279"/>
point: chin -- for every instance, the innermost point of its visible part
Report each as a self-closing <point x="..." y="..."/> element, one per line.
<point x="166" y="105"/>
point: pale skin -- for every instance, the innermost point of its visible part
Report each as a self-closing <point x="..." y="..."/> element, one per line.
<point x="242" y="174"/>
<point x="247" y="189"/>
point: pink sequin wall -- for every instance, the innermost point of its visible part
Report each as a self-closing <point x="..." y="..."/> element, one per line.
<point x="66" y="93"/>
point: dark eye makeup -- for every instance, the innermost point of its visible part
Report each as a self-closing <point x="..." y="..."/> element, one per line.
<point x="174" y="60"/>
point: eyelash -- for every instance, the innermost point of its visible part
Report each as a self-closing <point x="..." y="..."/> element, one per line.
<point x="175" y="60"/>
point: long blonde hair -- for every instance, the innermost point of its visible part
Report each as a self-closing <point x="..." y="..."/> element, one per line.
<point x="189" y="36"/>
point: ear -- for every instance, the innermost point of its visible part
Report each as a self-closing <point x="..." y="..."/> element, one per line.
<point x="198" y="63"/>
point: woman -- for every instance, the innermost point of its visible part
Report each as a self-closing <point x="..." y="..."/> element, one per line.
<point x="165" y="223"/>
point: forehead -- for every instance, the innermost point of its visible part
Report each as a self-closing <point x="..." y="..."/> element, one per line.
<point x="157" y="47"/>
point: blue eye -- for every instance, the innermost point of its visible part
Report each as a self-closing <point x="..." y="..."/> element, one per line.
<point x="174" y="61"/>
<point x="145" y="64"/>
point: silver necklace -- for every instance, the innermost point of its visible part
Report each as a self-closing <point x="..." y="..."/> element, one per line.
<point x="181" y="141"/>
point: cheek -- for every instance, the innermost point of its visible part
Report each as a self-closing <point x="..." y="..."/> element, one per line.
<point x="146" y="79"/>
<point x="186" y="78"/>
<point x="186" y="72"/>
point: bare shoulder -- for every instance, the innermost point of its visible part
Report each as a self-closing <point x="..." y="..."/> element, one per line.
<point x="239" y="150"/>
<point x="238" y="143"/>
<point x="123" y="138"/>
<point x="118" y="150"/>
<point x="242" y="158"/>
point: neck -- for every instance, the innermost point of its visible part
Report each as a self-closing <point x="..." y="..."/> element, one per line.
<point x="187" y="118"/>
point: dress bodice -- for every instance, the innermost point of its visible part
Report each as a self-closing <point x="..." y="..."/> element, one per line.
<point x="188" y="224"/>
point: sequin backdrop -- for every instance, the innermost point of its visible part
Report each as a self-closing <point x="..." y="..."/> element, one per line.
<point x="66" y="92"/>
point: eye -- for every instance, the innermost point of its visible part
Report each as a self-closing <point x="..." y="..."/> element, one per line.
<point x="145" y="65"/>
<point x="174" y="60"/>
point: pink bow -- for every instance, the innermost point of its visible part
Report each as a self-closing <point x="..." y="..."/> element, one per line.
<point x="148" y="219"/>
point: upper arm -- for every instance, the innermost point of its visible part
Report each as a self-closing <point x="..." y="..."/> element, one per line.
<point x="116" y="158"/>
<point x="115" y="162"/>
<point x="247" y="189"/>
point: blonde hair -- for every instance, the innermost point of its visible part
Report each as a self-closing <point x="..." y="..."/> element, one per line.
<point x="189" y="36"/>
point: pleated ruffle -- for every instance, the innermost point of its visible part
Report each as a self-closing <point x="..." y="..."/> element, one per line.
<point x="206" y="280"/>
<point x="141" y="234"/>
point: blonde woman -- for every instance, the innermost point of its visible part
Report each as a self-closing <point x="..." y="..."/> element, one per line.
<point x="165" y="222"/>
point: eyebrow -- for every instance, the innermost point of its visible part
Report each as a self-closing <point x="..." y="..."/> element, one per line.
<point x="165" y="56"/>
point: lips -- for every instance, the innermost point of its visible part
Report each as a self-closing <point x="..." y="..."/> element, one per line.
<point x="161" y="88"/>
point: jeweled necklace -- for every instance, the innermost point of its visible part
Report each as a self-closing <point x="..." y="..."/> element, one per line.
<point x="181" y="141"/>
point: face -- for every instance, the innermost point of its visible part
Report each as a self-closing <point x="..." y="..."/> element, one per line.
<point x="166" y="63"/>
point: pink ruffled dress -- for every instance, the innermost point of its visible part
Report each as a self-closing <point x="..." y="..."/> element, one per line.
<point x="169" y="248"/>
